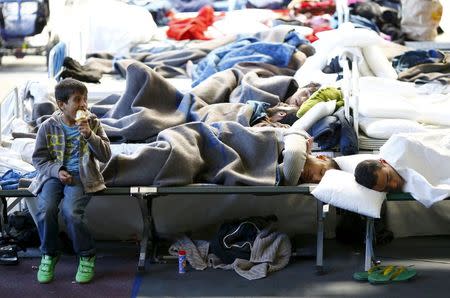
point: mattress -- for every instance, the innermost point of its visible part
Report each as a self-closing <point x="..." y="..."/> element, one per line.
<point x="371" y="144"/>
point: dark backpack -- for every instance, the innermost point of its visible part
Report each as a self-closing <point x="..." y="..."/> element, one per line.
<point x="235" y="238"/>
<point x="22" y="229"/>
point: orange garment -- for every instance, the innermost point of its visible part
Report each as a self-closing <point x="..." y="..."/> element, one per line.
<point x="192" y="28"/>
<point x="313" y="37"/>
<point x="316" y="7"/>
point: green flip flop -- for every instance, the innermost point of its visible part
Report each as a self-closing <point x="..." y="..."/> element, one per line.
<point x="392" y="274"/>
<point x="364" y="275"/>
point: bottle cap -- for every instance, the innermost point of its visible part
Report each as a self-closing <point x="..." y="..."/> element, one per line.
<point x="182" y="252"/>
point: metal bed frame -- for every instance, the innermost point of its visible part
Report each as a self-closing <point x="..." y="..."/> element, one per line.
<point x="145" y="196"/>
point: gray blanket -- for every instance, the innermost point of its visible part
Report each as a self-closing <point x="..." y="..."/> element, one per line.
<point x="150" y="103"/>
<point x="169" y="64"/>
<point x="225" y="153"/>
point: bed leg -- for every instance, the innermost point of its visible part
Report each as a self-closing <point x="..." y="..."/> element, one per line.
<point x="319" y="253"/>
<point x="145" y="232"/>
<point x="153" y="238"/>
<point x="3" y="215"/>
<point x="369" y="243"/>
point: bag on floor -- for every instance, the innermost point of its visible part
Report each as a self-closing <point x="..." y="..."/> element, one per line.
<point x="22" y="229"/>
<point x="235" y="238"/>
<point x="421" y="18"/>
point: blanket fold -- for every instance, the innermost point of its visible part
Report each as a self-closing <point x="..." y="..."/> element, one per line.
<point x="151" y="104"/>
<point x="221" y="153"/>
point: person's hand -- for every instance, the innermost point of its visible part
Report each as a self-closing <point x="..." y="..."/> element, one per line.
<point x="65" y="177"/>
<point x="309" y="145"/>
<point x="84" y="129"/>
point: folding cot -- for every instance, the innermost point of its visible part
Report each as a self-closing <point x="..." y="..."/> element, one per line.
<point x="351" y="76"/>
<point x="146" y="194"/>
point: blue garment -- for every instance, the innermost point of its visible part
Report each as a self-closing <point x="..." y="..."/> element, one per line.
<point x="267" y="4"/>
<point x="413" y="58"/>
<point x="72" y="208"/>
<point x="72" y="148"/>
<point x="10" y="180"/>
<point x="358" y="21"/>
<point x="246" y="49"/>
<point x="223" y="5"/>
<point x="348" y="143"/>
<point x="57" y="55"/>
<point x="259" y="110"/>
<point x="326" y="132"/>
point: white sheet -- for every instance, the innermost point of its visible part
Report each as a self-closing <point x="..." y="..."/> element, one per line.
<point x="381" y="128"/>
<point x="92" y="26"/>
<point x="10" y="159"/>
<point x="248" y="21"/>
<point x="330" y="41"/>
<point x="388" y="98"/>
<point x="423" y="160"/>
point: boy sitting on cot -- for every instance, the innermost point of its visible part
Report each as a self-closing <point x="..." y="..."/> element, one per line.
<point x="68" y="147"/>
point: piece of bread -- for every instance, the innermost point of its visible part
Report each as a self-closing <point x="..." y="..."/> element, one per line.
<point x="81" y="115"/>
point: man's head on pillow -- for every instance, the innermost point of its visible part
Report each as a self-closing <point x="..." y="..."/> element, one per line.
<point x="378" y="175"/>
<point x="315" y="168"/>
<point x="302" y="94"/>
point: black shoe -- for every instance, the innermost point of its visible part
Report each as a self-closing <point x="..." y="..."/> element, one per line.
<point x="8" y="255"/>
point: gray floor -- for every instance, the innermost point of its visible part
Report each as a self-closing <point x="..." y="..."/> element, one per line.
<point x="15" y="71"/>
<point x="430" y="256"/>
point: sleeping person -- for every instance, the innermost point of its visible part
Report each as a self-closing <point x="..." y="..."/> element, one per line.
<point x="150" y="103"/>
<point x="417" y="163"/>
<point x="224" y="153"/>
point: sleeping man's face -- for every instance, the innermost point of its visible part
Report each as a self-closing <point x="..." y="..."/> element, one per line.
<point x="388" y="180"/>
<point x="315" y="168"/>
<point x="302" y="94"/>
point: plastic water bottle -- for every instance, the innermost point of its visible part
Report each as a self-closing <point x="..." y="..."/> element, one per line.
<point x="181" y="261"/>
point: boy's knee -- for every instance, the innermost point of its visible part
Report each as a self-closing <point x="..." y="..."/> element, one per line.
<point x="48" y="212"/>
<point x="73" y="215"/>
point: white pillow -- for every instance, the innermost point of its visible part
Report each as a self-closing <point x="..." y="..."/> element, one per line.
<point x="350" y="37"/>
<point x="339" y="188"/>
<point x="385" y="128"/>
<point x="346" y="36"/>
<point x="348" y="163"/>
<point x="317" y="112"/>
<point x="386" y="105"/>
<point x="364" y="69"/>
<point x="378" y="62"/>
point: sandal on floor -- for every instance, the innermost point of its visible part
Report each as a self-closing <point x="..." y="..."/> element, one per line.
<point x="364" y="275"/>
<point x="392" y="274"/>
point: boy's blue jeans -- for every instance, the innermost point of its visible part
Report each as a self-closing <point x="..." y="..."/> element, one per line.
<point x="72" y="209"/>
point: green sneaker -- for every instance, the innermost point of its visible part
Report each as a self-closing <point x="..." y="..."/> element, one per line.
<point x="85" y="271"/>
<point x="47" y="269"/>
